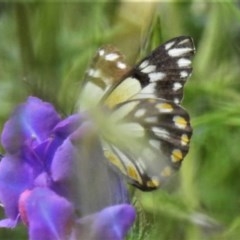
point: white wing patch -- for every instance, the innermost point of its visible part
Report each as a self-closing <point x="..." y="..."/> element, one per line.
<point x="169" y="45"/>
<point x="149" y="69"/>
<point x="177" y="86"/>
<point x="183" y="74"/>
<point x="121" y="65"/>
<point x="184" y="62"/>
<point x="111" y="57"/>
<point x="177" y="52"/>
<point x="156" y="76"/>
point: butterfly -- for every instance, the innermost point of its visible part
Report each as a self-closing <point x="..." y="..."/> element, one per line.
<point x="144" y="102"/>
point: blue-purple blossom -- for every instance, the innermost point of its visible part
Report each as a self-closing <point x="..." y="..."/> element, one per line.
<point x="39" y="179"/>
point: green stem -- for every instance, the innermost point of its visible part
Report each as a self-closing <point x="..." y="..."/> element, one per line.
<point x="24" y="37"/>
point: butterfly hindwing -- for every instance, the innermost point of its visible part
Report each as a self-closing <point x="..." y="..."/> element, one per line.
<point x="166" y="129"/>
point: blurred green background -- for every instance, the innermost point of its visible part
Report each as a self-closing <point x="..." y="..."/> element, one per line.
<point x="46" y="47"/>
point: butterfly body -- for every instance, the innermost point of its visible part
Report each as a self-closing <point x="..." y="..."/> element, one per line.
<point x="144" y="102"/>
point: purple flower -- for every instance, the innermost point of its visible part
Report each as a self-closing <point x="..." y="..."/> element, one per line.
<point x="46" y="179"/>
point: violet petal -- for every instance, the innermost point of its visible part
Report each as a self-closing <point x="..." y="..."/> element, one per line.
<point x="46" y="150"/>
<point x="63" y="162"/>
<point x="15" y="177"/>
<point x="50" y="217"/>
<point x="112" y="223"/>
<point x="8" y="223"/>
<point x="32" y="121"/>
<point x="64" y="172"/>
<point x="68" y="125"/>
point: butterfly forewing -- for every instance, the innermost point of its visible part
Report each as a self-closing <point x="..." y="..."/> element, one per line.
<point x="165" y="70"/>
<point x="162" y="74"/>
<point x="107" y="68"/>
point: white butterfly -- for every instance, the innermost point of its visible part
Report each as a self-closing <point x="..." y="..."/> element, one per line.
<point x="144" y="102"/>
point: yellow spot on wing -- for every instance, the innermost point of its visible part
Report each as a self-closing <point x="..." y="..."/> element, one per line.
<point x="125" y="90"/>
<point x="166" y="172"/>
<point x="180" y="122"/>
<point x="184" y="139"/>
<point x="114" y="160"/>
<point x="133" y="174"/>
<point x="164" y="107"/>
<point x="153" y="183"/>
<point x="176" y="155"/>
